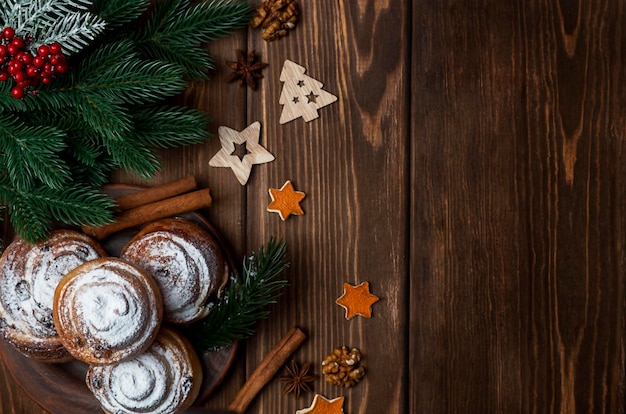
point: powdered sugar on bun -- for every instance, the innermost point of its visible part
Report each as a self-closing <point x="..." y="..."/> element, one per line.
<point x="29" y="275"/>
<point x="186" y="263"/>
<point x="166" y="378"/>
<point x="107" y="310"/>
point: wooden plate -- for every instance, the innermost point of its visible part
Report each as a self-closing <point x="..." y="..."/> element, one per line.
<point x="56" y="387"/>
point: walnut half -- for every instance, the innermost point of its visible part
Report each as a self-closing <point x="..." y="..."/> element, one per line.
<point x="276" y="18"/>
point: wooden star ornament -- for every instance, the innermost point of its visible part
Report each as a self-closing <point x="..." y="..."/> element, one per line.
<point x="323" y="405"/>
<point x="286" y="201"/>
<point x="240" y="151"/>
<point x="357" y="300"/>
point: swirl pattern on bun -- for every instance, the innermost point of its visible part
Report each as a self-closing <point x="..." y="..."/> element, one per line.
<point x="29" y="275"/>
<point x="166" y="378"/>
<point x="186" y="262"/>
<point x="107" y="310"/>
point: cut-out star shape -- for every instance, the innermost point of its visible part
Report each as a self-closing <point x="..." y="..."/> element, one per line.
<point x="240" y="151"/>
<point x="323" y="405"/>
<point x="286" y="201"/>
<point x="357" y="300"/>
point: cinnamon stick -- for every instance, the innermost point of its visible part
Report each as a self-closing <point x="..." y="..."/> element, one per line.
<point x="153" y="211"/>
<point x="265" y="371"/>
<point x="157" y="193"/>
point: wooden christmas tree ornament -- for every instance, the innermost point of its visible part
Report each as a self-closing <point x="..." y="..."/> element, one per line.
<point x="240" y="151"/>
<point x="323" y="405"/>
<point x="302" y="95"/>
<point x="286" y="201"/>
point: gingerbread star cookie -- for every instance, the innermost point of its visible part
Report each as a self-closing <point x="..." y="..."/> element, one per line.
<point x="240" y="151"/>
<point x="357" y="300"/>
<point x="286" y="201"/>
<point x="323" y="405"/>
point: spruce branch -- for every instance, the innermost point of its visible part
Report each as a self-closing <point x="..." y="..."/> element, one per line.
<point x="110" y="109"/>
<point x="235" y="315"/>
<point x="33" y="210"/>
<point x="31" y="153"/>
<point x="119" y="12"/>
<point x="177" y="28"/>
<point x="162" y="127"/>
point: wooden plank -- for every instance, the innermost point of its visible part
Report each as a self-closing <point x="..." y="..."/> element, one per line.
<point x="352" y="164"/>
<point x="517" y="207"/>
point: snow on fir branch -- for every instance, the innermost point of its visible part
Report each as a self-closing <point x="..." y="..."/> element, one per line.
<point x="68" y="22"/>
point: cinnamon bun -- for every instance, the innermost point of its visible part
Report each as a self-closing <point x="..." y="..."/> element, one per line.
<point x="186" y="262"/>
<point x="107" y="310"/>
<point x="166" y="378"/>
<point x="29" y="275"/>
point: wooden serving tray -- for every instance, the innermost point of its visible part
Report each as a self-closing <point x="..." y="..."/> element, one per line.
<point x="59" y="387"/>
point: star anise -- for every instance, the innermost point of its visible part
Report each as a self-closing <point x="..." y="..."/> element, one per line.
<point x="297" y="378"/>
<point x="246" y="69"/>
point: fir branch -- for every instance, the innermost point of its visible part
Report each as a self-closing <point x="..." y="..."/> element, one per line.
<point x="119" y="12"/>
<point x="32" y="211"/>
<point x="177" y="29"/>
<point x="235" y="315"/>
<point x="169" y="127"/>
<point x="134" y="81"/>
<point x="31" y="153"/>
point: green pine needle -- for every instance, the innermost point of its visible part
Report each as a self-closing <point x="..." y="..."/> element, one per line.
<point x="235" y="315"/>
<point x="111" y="110"/>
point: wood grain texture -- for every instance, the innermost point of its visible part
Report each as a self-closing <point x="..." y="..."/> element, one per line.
<point x="471" y="171"/>
<point x="517" y="207"/>
<point x="352" y="164"/>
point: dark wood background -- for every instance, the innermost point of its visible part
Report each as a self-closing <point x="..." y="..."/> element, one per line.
<point x="472" y="171"/>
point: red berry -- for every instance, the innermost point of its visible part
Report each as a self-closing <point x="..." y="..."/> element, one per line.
<point x="3" y="51"/>
<point x="8" y="33"/>
<point x="55" y="48"/>
<point x="46" y="80"/>
<point x="32" y="71"/>
<point x="19" y="76"/>
<point x="4" y="76"/>
<point x="17" y="92"/>
<point x="43" y="50"/>
<point x="14" y="67"/>
<point x="27" y="58"/>
<point x="12" y="49"/>
<point x="18" y="42"/>
<point x="38" y="61"/>
<point x="61" y="67"/>
<point x="23" y="84"/>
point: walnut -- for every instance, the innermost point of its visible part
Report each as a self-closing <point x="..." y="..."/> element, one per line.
<point x="276" y="18"/>
<point x="342" y="367"/>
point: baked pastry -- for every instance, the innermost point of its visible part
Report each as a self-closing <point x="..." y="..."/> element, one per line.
<point x="166" y="378"/>
<point x="186" y="262"/>
<point x="29" y="275"/>
<point x="107" y="310"/>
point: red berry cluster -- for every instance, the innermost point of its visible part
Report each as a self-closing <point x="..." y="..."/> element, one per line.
<point x="25" y="68"/>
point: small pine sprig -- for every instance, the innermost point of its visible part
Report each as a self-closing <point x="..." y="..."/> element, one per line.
<point x="235" y="315"/>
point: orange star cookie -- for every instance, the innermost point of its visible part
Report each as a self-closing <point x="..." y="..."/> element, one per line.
<point x="357" y="300"/>
<point x="322" y="405"/>
<point x="286" y="201"/>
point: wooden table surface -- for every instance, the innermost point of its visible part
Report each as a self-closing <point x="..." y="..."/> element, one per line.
<point x="472" y="170"/>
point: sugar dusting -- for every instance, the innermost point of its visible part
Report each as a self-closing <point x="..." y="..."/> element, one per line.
<point x="186" y="272"/>
<point x="114" y="315"/>
<point x="29" y="275"/>
<point x="156" y="381"/>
